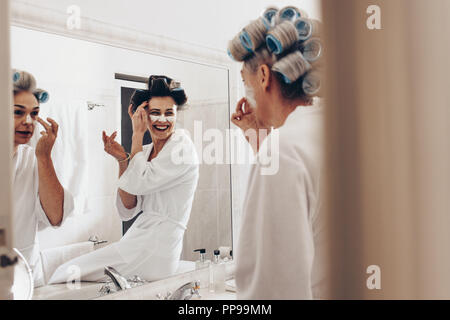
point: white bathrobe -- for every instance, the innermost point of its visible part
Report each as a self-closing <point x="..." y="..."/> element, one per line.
<point x="28" y="212"/>
<point x="280" y="236"/>
<point x="165" y="189"/>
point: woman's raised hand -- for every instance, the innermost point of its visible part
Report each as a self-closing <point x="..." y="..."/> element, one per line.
<point x="244" y="119"/>
<point x="113" y="148"/>
<point x="46" y="142"/>
<point x="139" y="119"/>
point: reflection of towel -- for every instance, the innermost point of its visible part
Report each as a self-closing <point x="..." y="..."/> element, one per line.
<point x="70" y="152"/>
<point x="53" y="258"/>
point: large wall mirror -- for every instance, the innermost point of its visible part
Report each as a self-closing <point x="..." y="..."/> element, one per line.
<point x="90" y="85"/>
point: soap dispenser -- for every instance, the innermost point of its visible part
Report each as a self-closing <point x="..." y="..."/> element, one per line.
<point x="202" y="263"/>
<point x="218" y="274"/>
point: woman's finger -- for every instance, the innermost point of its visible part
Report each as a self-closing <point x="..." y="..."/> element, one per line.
<point x="114" y="135"/>
<point x="44" y="124"/>
<point x="54" y="125"/>
<point x="130" y="111"/>
<point x="237" y="116"/>
<point x="143" y="105"/>
<point x="104" y="137"/>
<point x="240" y="104"/>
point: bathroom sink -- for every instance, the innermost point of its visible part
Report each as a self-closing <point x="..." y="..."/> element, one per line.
<point x="86" y="291"/>
<point x="206" y="295"/>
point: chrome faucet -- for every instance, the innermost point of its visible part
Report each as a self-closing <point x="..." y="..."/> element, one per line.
<point x="119" y="282"/>
<point x="186" y="292"/>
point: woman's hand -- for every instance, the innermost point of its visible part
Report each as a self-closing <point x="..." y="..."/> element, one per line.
<point x="46" y="142"/>
<point x="139" y="119"/>
<point x="113" y="148"/>
<point x="244" y="119"/>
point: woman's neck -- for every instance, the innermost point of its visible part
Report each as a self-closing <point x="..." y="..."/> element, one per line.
<point x="158" y="145"/>
<point x="282" y="109"/>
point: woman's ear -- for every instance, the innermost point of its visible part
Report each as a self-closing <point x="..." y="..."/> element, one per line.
<point x="265" y="76"/>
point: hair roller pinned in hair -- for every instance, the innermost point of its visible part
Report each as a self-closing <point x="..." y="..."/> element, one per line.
<point x="254" y="35"/>
<point x="160" y="86"/>
<point x="289" y="13"/>
<point x="41" y="95"/>
<point x="25" y="81"/>
<point x="236" y="49"/>
<point x="282" y="37"/>
<point x="307" y="28"/>
<point x="312" y="49"/>
<point x="292" y="50"/>
<point x="312" y="84"/>
<point x="292" y="67"/>
<point x="270" y="15"/>
<point x="16" y="76"/>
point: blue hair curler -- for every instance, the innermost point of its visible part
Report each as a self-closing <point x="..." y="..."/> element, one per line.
<point x="43" y="97"/>
<point x="246" y="41"/>
<point x="304" y="27"/>
<point x="253" y="35"/>
<point x="230" y="55"/>
<point x="270" y="15"/>
<point x="286" y="79"/>
<point x="312" y="84"/>
<point x="292" y="67"/>
<point x="267" y="23"/>
<point x="312" y="49"/>
<point x="236" y="48"/>
<point x="289" y="14"/>
<point x="16" y="77"/>
<point x="274" y="44"/>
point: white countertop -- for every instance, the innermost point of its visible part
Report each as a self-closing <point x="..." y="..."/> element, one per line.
<point x="90" y="290"/>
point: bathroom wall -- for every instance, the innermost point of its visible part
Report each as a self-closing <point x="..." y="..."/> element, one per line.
<point x="76" y="71"/>
<point x="207" y="23"/>
<point x="211" y="212"/>
<point x="388" y="124"/>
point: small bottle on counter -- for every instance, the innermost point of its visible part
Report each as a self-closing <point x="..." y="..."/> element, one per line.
<point x="217" y="274"/>
<point x="202" y="263"/>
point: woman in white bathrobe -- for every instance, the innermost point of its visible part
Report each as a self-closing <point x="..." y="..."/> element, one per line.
<point x="158" y="180"/>
<point x="280" y="247"/>
<point x="39" y="198"/>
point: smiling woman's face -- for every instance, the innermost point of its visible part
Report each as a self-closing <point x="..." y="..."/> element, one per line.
<point x="26" y="111"/>
<point x="162" y="118"/>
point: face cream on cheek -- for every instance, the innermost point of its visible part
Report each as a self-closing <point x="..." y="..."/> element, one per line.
<point x="170" y="119"/>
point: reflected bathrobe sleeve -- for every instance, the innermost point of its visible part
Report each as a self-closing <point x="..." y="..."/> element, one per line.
<point x="275" y="252"/>
<point x="128" y="214"/>
<point x="162" y="173"/>
<point x="68" y="206"/>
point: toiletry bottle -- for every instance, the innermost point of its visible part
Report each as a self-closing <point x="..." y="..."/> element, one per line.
<point x="202" y="263"/>
<point x="219" y="273"/>
<point x="212" y="286"/>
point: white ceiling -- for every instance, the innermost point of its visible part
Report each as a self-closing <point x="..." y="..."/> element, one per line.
<point x="209" y="23"/>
